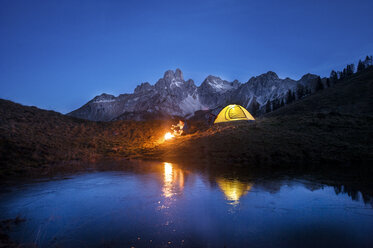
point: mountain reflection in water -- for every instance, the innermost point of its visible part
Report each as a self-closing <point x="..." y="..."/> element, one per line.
<point x="147" y="204"/>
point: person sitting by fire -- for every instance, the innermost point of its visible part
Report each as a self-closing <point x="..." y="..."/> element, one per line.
<point x="185" y="128"/>
<point x="211" y="119"/>
<point x="180" y="129"/>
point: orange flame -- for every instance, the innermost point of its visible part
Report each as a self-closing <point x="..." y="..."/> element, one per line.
<point x="168" y="136"/>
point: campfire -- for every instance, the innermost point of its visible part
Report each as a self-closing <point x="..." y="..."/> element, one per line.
<point x="177" y="130"/>
<point x="168" y="136"/>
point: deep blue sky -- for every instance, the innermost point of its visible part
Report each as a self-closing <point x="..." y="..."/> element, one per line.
<point x="59" y="54"/>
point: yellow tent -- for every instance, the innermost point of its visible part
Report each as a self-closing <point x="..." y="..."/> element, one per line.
<point x="233" y="112"/>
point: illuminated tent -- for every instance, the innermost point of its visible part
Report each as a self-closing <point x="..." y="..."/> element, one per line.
<point x="233" y="112"/>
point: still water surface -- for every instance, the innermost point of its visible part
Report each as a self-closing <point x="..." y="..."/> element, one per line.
<point x="162" y="205"/>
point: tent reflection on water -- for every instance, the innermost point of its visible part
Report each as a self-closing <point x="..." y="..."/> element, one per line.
<point x="233" y="189"/>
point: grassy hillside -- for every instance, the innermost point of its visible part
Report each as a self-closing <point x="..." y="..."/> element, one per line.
<point x="353" y="96"/>
<point x="330" y="128"/>
<point x="333" y="127"/>
<point x="34" y="139"/>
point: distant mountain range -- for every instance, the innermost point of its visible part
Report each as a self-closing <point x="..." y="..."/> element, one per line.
<point x="173" y="96"/>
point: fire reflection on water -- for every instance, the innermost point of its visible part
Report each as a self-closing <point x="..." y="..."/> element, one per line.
<point x="173" y="180"/>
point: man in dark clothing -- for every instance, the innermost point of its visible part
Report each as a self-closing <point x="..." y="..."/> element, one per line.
<point x="180" y="129"/>
<point x="185" y="128"/>
<point x="211" y="119"/>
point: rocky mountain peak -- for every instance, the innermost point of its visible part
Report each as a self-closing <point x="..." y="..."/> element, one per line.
<point x="104" y="98"/>
<point x="216" y="84"/>
<point x="173" y="75"/>
<point x="270" y="75"/>
<point x="308" y="76"/>
<point x="179" y="74"/>
<point x="211" y="78"/>
<point x="143" y="87"/>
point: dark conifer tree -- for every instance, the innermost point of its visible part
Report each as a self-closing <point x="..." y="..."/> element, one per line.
<point x="288" y="97"/>
<point x="255" y="108"/>
<point x="327" y="82"/>
<point x="319" y="85"/>
<point x="268" y="106"/>
<point x="368" y="61"/>
<point x="350" y="69"/>
<point x="340" y="75"/>
<point x="343" y="74"/>
<point x="333" y="76"/>
<point x="275" y="104"/>
<point x="300" y="91"/>
<point x="360" y="66"/>
<point x="282" y="102"/>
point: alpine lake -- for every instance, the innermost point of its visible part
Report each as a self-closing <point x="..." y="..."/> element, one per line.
<point x="161" y="204"/>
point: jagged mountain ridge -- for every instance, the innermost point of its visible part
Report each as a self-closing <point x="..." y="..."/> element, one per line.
<point x="173" y="96"/>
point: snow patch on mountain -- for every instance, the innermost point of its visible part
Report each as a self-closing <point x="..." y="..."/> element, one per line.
<point x="220" y="85"/>
<point x="216" y="84"/>
<point x="104" y="100"/>
<point x="176" y="83"/>
<point x="191" y="104"/>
